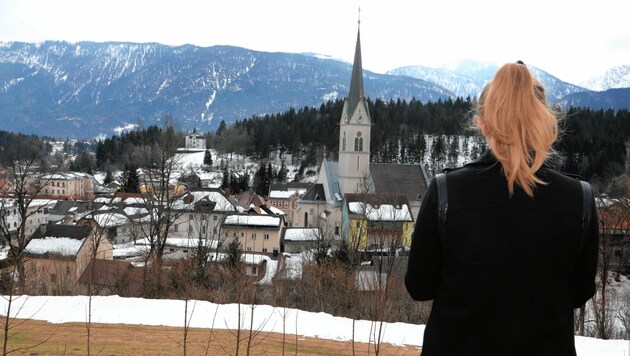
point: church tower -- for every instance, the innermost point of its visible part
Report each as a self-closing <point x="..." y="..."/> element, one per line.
<point x="354" y="133"/>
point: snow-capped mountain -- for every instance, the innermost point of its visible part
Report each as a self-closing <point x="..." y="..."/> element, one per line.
<point x="89" y="89"/>
<point x="467" y="78"/>
<point x="615" y="78"/>
<point x="84" y="89"/>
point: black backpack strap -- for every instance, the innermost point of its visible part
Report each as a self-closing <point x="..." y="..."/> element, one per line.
<point x="587" y="203"/>
<point x="442" y="195"/>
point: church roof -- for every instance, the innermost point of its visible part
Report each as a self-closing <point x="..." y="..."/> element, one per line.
<point x="408" y="179"/>
<point x="332" y="177"/>
<point x="356" y="83"/>
<point x="315" y="194"/>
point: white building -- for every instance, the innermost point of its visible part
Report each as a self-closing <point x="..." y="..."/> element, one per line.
<point x="195" y="141"/>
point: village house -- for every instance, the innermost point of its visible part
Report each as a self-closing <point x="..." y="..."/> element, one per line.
<point x="37" y="213"/>
<point x="199" y="215"/>
<point x="614" y="232"/>
<point x="69" y="211"/>
<point x="255" y="233"/>
<point x="377" y="221"/>
<point x="57" y="255"/>
<point x="300" y="239"/>
<point x="109" y="277"/>
<point x="67" y="185"/>
<point x="285" y="196"/>
<point x="195" y="140"/>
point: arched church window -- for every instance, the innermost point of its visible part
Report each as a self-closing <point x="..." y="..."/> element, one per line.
<point x="343" y="145"/>
<point x="358" y="142"/>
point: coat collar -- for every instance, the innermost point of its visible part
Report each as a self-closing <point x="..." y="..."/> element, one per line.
<point x="488" y="159"/>
<point x="485" y="159"/>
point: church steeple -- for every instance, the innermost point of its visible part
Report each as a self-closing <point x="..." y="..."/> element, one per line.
<point x="356" y="83"/>
<point x="354" y="132"/>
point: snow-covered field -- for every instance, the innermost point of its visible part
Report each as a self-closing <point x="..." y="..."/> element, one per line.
<point x="139" y="311"/>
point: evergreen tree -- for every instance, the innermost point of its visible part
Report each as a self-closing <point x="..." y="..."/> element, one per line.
<point x="225" y="181"/>
<point x="207" y="158"/>
<point x="282" y="173"/>
<point x="261" y="180"/>
<point x="109" y="177"/>
<point x="130" y="182"/>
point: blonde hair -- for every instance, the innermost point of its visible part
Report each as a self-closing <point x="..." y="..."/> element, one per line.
<point x="514" y="116"/>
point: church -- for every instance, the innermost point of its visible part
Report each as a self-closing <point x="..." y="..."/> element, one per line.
<point x="353" y="196"/>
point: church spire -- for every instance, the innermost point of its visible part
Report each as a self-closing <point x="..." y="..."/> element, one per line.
<point x="356" y="83"/>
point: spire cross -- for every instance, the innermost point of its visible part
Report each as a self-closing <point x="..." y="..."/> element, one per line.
<point x="359" y="16"/>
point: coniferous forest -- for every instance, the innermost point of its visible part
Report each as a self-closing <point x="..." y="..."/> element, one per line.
<point x="593" y="143"/>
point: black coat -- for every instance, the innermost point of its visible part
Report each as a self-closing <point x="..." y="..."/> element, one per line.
<point x="507" y="274"/>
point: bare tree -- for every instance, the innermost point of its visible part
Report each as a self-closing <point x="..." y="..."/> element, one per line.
<point x="159" y="165"/>
<point x="614" y="218"/>
<point x="19" y="163"/>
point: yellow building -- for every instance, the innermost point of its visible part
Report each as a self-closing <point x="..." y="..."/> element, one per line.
<point x="377" y="221"/>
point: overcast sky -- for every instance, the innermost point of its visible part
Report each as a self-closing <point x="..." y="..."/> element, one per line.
<point x="573" y="40"/>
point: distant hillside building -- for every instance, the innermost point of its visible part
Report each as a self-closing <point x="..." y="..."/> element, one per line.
<point x="321" y="206"/>
<point x="195" y="141"/>
<point x="67" y="185"/>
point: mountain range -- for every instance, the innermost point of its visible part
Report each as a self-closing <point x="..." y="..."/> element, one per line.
<point x="88" y="89"/>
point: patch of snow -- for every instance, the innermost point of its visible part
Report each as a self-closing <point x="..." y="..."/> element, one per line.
<point x="64" y="246"/>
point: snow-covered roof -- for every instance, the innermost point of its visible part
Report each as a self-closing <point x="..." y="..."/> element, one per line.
<point x="63" y="246"/>
<point x="185" y="242"/>
<point x="383" y="212"/>
<point x="252" y="220"/>
<point x="102" y="200"/>
<point x="129" y="250"/>
<point x="280" y="194"/>
<point x="222" y="203"/>
<point x="134" y="200"/>
<point x="301" y="234"/>
<point x="276" y="210"/>
<point x="66" y="176"/>
<point x="110" y="219"/>
<point x="41" y="202"/>
<point x="130" y="211"/>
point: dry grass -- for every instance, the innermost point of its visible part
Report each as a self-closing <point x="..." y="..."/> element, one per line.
<point x="120" y="339"/>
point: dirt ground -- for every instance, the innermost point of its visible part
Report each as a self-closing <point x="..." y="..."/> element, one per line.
<point x="28" y="337"/>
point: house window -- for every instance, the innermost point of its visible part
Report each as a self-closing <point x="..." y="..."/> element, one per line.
<point x="53" y="278"/>
<point x="254" y="236"/>
<point x="273" y="203"/>
<point x="214" y="218"/>
<point x="264" y="249"/>
<point x="286" y="204"/>
<point x="67" y="270"/>
<point x="175" y="228"/>
<point x="249" y="249"/>
<point x="336" y="230"/>
<point x="266" y="236"/>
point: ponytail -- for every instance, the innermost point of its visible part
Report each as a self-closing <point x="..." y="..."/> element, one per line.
<point x="520" y="127"/>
